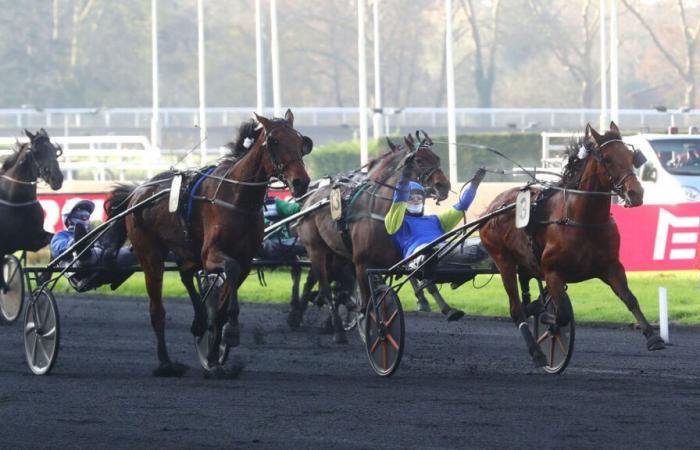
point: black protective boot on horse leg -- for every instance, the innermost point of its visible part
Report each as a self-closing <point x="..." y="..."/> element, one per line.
<point x="535" y="352"/>
<point x="231" y="333"/>
<point x="296" y="311"/>
<point x="423" y="305"/>
<point x="450" y="313"/>
<point x="199" y="323"/>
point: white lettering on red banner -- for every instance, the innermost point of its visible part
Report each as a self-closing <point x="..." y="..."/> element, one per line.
<point x="683" y="231"/>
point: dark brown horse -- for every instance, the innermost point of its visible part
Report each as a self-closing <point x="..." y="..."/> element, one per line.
<point x="21" y="215"/>
<point x="571" y="236"/>
<point x="225" y="231"/>
<point x="367" y="243"/>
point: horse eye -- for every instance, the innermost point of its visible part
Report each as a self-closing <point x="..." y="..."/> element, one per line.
<point x="273" y="141"/>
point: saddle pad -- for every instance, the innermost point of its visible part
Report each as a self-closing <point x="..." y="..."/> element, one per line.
<point x="336" y="199"/>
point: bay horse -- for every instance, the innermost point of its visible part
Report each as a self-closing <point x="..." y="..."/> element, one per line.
<point x="366" y="243"/>
<point x="21" y="215"/>
<point x="224" y="233"/>
<point x="571" y="236"/>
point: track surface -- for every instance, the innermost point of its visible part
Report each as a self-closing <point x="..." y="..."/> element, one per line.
<point x="461" y="385"/>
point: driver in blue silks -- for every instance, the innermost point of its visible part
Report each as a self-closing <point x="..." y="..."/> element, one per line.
<point x="411" y="230"/>
<point x="112" y="264"/>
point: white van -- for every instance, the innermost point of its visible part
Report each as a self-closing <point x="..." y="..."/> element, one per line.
<point x="672" y="171"/>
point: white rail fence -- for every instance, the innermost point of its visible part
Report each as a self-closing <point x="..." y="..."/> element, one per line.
<point x="499" y="118"/>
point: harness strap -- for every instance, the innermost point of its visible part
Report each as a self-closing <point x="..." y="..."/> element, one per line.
<point x="200" y="180"/>
<point x="19" y="204"/>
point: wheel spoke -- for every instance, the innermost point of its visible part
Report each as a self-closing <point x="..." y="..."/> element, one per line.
<point x="561" y="344"/>
<point x="49" y="334"/>
<point x="375" y="344"/>
<point x="386" y="355"/>
<point x="542" y="338"/>
<point x="551" y="352"/>
<point x="40" y="344"/>
<point x="391" y="340"/>
<point x="34" y="352"/>
<point x="391" y="319"/>
<point x="31" y="326"/>
<point x="373" y="316"/>
<point x="45" y="319"/>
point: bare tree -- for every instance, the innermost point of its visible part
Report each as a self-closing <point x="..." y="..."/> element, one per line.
<point x="577" y="57"/>
<point x="483" y="65"/>
<point x="685" y="64"/>
<point x="80" y="12"/>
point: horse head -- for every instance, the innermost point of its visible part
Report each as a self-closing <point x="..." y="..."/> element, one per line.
<point x="285" y="149"/>
<point x="426" y="165"/>
<point x="616" y="164"/>
<point x="44" y="156"/>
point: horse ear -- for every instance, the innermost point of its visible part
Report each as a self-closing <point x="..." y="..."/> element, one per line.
<point x="613" y="127"/>
<point x="289" y="117"/>
<point x="408" y="140"/>
<point x="29" y="134"/>
<point x="264" y="121"/>
<point x="43" y="132"/>
<point x="392" y="146"/>
<point x="591" y="132"/>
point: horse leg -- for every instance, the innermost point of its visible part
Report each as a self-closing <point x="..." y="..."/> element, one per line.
<point x="508" y="270"/>
<point x="423" y="305"/>
<point x="231" y="333"/>
<point x="450" y="313"/>
<point x="153" y="272"/>
<point x="199" y="323"/>
<point x="616" y="278"/>
<point x="557" y="289"/>
<point x="295" y="310"/>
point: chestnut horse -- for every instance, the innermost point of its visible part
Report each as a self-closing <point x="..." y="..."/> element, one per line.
<point x="369" y="244"/>
<point x="571" y="236"/>
<point x="21" y="215"/>
<point x="224" y="233"/>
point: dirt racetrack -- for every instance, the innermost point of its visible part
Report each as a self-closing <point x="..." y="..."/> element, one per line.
<point x="461" y="385"/>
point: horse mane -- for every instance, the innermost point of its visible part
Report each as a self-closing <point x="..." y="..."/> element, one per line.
<point x="12" y="159"/>
<point x="248" y="130"/>
<point x="571" y="175"/>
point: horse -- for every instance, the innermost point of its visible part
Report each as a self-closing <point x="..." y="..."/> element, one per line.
<point x="571" y="236"/>
<point x="365" y="243"/>
<point x="223" y="235"/>
<point x="21" y="215"/>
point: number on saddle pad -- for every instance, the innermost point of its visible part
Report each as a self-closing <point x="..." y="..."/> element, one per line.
<point x="174" y="199"/>
<point x="522" y="209"/>
<point x="336" y="204"/>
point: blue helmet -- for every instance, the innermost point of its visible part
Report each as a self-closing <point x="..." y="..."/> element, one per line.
<point x="414" y="186"/>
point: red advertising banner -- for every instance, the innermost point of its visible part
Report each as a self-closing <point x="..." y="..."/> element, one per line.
<point x="659" y="237"/>
<point x="55" y="205"/>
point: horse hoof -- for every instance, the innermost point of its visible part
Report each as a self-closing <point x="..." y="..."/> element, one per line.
<point x="198" y="328"/>
<point x="454" y="315"/>
<point x="170" y="369"/>
<point x="547" y="318"/>
<point x="539" y="359"/>
<point x="231" y="335"/>
<point x="533" y="309"/>
<point x="423" y="306"/>
<point x="655" y="343"/>
<point x="340" y="338"/>
<point x="219" y="372"/>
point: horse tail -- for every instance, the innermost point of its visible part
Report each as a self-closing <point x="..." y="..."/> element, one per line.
<point x="117" y="202"/>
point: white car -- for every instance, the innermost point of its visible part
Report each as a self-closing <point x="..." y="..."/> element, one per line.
<point x="672" y="171"/>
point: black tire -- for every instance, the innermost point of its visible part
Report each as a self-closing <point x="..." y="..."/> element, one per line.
<point x="385" y="333"/>
<point x="556" y="342"/>
<point x="11" y="301"/>
<point x="41" y="332"/>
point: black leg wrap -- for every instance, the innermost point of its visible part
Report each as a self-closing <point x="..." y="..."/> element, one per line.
<point x="532" y="347"/>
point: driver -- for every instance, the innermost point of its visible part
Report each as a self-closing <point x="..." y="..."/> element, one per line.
<point x="112" y="264"/>
<point x="411" y="230"/>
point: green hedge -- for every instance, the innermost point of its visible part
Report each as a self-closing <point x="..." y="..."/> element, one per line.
<point x="525" y="148"/>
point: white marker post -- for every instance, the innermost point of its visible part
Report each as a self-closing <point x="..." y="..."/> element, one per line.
<point x="663" y="315"/>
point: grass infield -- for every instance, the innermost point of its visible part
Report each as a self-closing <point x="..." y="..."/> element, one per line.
<point x="592" y="300"/>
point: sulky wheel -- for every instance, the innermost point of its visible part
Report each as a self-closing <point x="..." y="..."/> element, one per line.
<point x="41" y="332"/>
<point x="556" y="342"/>
<point x="384" y="331"/>
<point x="12" y="296"/>
<point x="202" y="345"/>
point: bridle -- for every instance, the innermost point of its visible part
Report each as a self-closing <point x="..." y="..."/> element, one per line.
<point x="617" y="185"/>
<point x="279" y="167"/>
<point x="42" y="170"/>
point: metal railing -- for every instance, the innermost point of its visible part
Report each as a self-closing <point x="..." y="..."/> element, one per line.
<point x="482" y="118"/>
